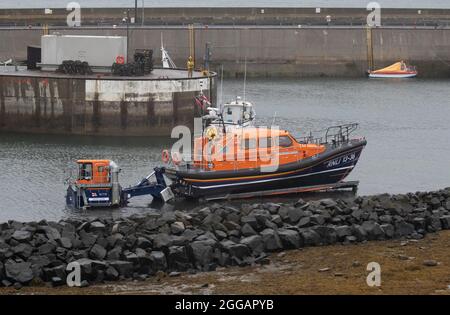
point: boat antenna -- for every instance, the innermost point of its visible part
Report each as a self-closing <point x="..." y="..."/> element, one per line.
<point x="274" y="117"/>
<point x="221" y="88"/>
<point x="245" y="77"/>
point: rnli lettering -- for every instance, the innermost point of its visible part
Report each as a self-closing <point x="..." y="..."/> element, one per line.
<point x="341" y="160"/>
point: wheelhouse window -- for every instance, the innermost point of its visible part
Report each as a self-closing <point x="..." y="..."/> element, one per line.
<point x="249" y="144"/>
<point x="265" y="143"/>
<point x="85" y="171"/>
<point x="285" y="141"/>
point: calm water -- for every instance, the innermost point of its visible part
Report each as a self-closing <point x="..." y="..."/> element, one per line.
<point x="228" y="3"/>
<point x="406" y="124"/>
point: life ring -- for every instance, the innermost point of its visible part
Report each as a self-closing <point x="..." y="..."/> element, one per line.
<point x="120" y="60"/>
<point x="176" y="158"/>
<point x="211" y="133"/>
<point x="165" y="156"/>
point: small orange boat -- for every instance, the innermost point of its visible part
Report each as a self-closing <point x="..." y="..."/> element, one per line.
<point x="253" y="159"/>
<point x="397" y="70"/>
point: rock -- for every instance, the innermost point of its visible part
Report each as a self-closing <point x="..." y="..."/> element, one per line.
<point x="317" y="219"/>
<point x="289" y="239"/>
<point x="177" y="228"/>
<point x="304" y="222"/>
<point x="343" y="231"/>
<point x="22" y="236"/>
<point x="356" y="264"/>
<point x="51" y="233"/>
<point x="202" y="252"/>
<point x="97" y="252"/>
<point x="294" y="215"/>
<point x="403" y="229"/>
<point x="310" y="237"/>
<point x="430" y="263"/>
<point x="271" y="240"/>
<point x="250" y="220"/>
<point x="324" y="269"/>
<point x="327" y="234"/>
<point x="19" y="272"/>
<point x="445" y="221"/>
<point x="23" y="250"/>
<point x="97" y="227"/>
<point x="178" y="258"/>
<point x="389" y="230"/>
<point x="239" y="251"/>
<point x="328" y="203"/>
<point x="373" y="230"/>
<point x="46" y="249"/>
<point x="161" y="241"/>
<point x="247" y="230"/>
<point x="111" y="274"/>
<point x="255" y="243"/>
<point x="87" y="239"/>
<point x="55" y="272"/>
<point x="159" y="262"/>
<point x="143" y="243"/>
<point x="125" y="268"/>
<point x="174" y="274"/>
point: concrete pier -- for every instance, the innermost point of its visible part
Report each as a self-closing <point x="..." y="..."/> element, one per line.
<point x="43" y="102"/>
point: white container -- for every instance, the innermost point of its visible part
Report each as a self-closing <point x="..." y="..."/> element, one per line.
<point x="98" y="51"/>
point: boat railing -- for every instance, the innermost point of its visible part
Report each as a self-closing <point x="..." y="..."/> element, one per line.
<point x="338" y="135"/>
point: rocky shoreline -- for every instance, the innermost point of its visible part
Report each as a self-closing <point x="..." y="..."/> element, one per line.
<point x="141" y="246"/>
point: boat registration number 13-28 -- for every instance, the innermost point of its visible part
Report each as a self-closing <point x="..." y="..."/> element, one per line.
<point x="341" y="160"/>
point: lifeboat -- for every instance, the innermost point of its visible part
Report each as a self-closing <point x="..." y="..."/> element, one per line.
<point x="397" y="70"/>
<point x="229" y="161"/>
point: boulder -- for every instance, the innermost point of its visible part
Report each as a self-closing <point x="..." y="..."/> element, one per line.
<point x="343" y="231"/>
<point x="22" y="236"/>
<point x="46" y="249"/>
<point x="317" y="219"/>
<point x="65" y="242"/>
<point x="87" y="239"/>
<point x="271" y="240"/>
<point x="159" y="262"/>
<point x="143" y="243"/>
<point x="178" y="258"/>
<point x="445" y="222"/>
<point x="327" y="234"/>
<point x="23" y="250"/>
<point x="295" y="214"/>
<point x="247" y="230"/>
<point x="177" y="228"/>
<point x="97" y="227"/>
<point x="290" y="239"/>
<point x="111" y="274"/>
<point x="304" y="222"/>
<point x="202" y="252"/>
<point x="97" y="252"/>
<point x="389" y="230"/>
<point x="403" y="229"/>
<point x="239" y="251"/>
<point x="255" y="243"/>
<point x="310" y="237"/>
<point x="250" y="220"/>
<point x="125" y="268"/>
<point x="19" y="272"/>
<point x="373" y="230"/>
<point x="115" y="253"/>
<point x="161" y="241"/>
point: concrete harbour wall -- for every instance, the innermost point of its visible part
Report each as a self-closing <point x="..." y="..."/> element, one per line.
<point x="98" y="106"/>
<point x="276" y="51"/>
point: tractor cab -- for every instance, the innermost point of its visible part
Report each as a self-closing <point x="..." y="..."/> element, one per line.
<point x="94" y="172"/>
<point x="97" y="186"/>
